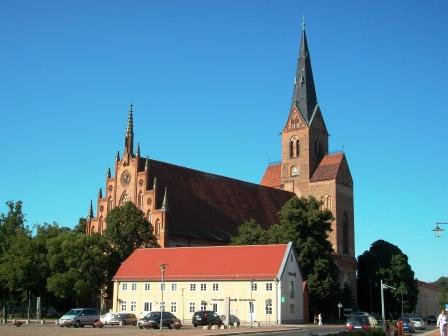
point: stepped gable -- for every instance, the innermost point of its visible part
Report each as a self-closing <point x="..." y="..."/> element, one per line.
<point x="328" y="168"/>
<point x="211" y="207"/>
<point x="272" y="176"/>
<point x="261" y="262"/>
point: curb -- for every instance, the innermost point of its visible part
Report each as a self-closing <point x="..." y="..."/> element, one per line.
<point x="254" y="331"/>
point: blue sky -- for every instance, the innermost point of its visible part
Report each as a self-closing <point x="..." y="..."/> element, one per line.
<point x="211" y="85"/>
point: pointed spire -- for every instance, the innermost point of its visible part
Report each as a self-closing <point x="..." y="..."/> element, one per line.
<point x="147" y="163"/>
<point x="165" y="201"/>
<point x="100" y="193"/>
<point x="108" y="174"/>
<point x="154" y="186"/>
<point x="117" y="157"/>
<point x="90" y="216"/>
<point x="138" y="149"/>
<point x="304" y="93"/>
<point x="129" y="137"/>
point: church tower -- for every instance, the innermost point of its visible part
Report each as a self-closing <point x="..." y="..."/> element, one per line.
<point x="307" y="168"/>
<point x="304" y="136"/>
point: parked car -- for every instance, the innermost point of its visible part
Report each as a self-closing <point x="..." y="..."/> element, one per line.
<point x="431" y="319"/>
<point x="408" y="326"/>
<point x="79" y="317"/>
<point x="206" y="317"/>
<point x="358" y="322"/>
<point x="117" y="318"/>
<point x="418" y="322"/>
<point x="232" y="320"/>
<point x="152" y="320"/>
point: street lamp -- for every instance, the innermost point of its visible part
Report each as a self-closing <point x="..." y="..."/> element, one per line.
<point x="251" y="305"/>
<point x="382" y="302"/>
<point x="162" y="304"/>
<point x="437" y="230"/>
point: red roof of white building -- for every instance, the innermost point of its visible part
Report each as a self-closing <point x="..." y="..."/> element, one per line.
<point x="258" y="262"/>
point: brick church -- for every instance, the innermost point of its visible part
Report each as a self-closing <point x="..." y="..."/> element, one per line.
<point x="188" y="207"/>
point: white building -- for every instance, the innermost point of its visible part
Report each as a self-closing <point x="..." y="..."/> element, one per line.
<point x="265" y="277"/>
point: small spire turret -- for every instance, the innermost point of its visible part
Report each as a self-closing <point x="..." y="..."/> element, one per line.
<point x="100" y="193"/>
<point x="117" y="157"/>
<point x="138" y="149"/>
<point x="90" y="215"/>
<point x="165" y="201"/>
<point x="154" y="186"/>
<point x="129" y="137"/>
<point x="108" y="174"/>
<point x="147" y="163"/>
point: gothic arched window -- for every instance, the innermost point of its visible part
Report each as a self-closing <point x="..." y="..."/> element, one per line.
<point x="297" y="148"/>
<point x="124" y="198"/>
<point x="345" y="239"/>
<point x="291" y="149"/>
<point x="109" y="204"/>
<point x="148" y="216"/>
<point x="157" y="227"/>
<point x="140" y="200"/>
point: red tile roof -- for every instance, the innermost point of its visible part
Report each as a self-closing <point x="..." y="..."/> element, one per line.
<point x="271" y="177"/>
<point x="328" y="168"/>
<point x="211" y="207"/>
<point x="259" y="262"/>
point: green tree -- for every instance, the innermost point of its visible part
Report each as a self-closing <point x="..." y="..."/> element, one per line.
<point x="128" y="229"/>
<point x="304" y="223"/>
<point x="13" y="233"/>
<point x="80" y="265"/>
<point x="385" y="261"/>
<point x="250" y="233"/>
<point x="442" y="283"/>
<point x="81" y="226"/>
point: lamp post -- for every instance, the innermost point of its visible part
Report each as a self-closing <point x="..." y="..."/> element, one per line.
<point x="382" y="302"/>
<point x="162" y="304"/>
<point x="437" y="230"/>
<point x="251" y="305"/>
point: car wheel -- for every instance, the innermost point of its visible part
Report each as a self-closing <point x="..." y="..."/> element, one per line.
<point x="123" y="323"/>
<point x="195" y="325"/>
<point x="140" y="326"/>
<point x="77" y="324"/>
<point x="135" y="323"/>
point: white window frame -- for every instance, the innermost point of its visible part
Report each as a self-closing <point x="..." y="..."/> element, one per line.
<point x="215" y="287"/>
<point x="192" y="307"/>
<point x="133" y="306"/>
<point x="173" y="307"/>
<point x="147" y="286"/>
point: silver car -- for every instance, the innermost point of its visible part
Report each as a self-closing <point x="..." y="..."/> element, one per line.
<point x="79" y="317"/>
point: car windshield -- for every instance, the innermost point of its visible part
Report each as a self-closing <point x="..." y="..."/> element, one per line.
<point x="74" y="312"/>
<point x="359" y="319"/>
<point x="153" y="315"/>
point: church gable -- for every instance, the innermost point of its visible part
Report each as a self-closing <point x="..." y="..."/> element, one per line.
<point x="295" y="121"/>
<point x="344" y="177"/>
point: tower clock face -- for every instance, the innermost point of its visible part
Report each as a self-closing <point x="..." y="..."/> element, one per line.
<point x="125" y="178"/>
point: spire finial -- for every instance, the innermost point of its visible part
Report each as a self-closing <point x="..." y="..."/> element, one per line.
<point x="165" y="201"/>
<point x="138" y="148"/>
<point x="147" y="163"/>
<point x="129" y="137"/>
<point x="303" y="23"/>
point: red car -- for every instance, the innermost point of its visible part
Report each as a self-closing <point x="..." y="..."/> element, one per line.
<point x="358" y="323"/>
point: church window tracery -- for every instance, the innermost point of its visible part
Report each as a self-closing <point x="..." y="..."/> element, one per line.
<point x="297" y="148"/>
<point x="157" y="227"/>
<point x="124" y="198"/>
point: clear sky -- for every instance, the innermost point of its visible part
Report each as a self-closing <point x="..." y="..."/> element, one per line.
<point x="211" y="84"/>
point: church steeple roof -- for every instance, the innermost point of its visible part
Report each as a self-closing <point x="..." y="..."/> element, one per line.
<point x="304" y="93"/>
<point x="129" y="137"/>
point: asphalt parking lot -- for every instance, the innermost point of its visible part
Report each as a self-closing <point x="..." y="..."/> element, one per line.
<point x="52" y="329"/>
